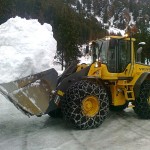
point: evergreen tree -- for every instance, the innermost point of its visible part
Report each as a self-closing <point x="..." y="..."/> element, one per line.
<point x="68" y="35"/>
<point x="5" y="10"/>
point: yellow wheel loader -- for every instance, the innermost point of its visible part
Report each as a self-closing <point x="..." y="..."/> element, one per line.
<point x="84" y="93"/>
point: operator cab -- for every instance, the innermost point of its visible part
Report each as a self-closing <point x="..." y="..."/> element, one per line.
<point x="114" y="52"/>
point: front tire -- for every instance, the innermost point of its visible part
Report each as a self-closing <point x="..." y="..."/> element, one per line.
<point x="142" y="103"/>
<point x="86" y="104"/>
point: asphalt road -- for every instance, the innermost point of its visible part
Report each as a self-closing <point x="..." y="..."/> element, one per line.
<point x="120" y="131"/>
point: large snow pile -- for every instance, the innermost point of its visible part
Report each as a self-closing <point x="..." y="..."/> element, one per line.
<point x="26" y="47"/>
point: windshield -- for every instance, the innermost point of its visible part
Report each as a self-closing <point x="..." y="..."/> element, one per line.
<point x="99" y="50"/>
<point x="113" y="52"/>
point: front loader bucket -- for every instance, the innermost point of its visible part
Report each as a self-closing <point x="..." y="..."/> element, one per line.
<point x="31" y="94"/>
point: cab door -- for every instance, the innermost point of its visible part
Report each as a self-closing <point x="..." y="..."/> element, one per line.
<point x="119" y="55"/>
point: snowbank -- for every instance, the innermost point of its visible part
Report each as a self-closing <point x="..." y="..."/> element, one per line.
<point x="26" y="47"/>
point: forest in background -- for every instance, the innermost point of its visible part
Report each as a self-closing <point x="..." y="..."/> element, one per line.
<point x="74" y="27"/>
<point x="70" y="29"/>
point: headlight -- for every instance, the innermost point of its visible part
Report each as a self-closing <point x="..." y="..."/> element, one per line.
<point x="126" y="35"/>
<point x="97" y="64"/>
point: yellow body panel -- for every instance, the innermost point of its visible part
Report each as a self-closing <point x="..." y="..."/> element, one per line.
<point x="121" y="84"/>
<point x="121" y="89"/>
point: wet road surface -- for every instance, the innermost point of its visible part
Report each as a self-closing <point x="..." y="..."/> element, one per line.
<point x="120" y="131"/>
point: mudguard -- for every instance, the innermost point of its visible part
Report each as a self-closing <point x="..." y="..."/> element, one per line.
<point x="138" y="83"/>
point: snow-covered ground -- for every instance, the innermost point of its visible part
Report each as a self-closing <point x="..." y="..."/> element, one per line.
<point x="120" y="131"/>
<point x="27" y="47"/>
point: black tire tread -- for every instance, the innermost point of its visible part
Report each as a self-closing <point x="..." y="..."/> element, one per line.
<point x="142" y="108"/>
<point x="71" y="105"/>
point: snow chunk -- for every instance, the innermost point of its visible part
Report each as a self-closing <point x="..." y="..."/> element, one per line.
<point x="26" y="47"/>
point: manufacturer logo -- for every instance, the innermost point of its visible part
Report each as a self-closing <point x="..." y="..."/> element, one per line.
<point x="145" y="69"/>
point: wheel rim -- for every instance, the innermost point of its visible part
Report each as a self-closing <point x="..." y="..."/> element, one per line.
<point x="90" y="106"/>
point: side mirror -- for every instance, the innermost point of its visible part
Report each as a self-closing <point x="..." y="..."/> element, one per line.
<point x="138" y="54"/>
<point x="139" y="51"/>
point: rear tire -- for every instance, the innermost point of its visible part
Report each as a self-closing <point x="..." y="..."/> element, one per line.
<point x="142" y="103"/>
<point x="86" y="104"/>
